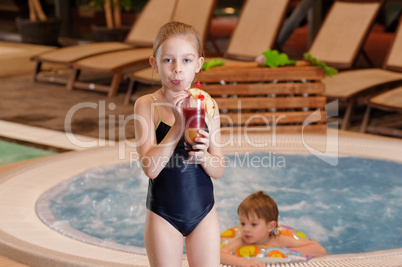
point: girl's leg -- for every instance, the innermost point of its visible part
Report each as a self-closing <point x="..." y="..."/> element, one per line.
<point x="164" y="244"/>
<point x="203" y="244"/>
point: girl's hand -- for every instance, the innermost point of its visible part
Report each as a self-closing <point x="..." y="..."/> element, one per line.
<point x="201" y="148"/>
<point x="177" y="104"/>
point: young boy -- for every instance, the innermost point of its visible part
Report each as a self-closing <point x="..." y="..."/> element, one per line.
<point x="258" y="216"/>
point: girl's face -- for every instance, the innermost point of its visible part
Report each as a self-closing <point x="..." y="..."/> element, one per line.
<point x="177" y="61"/>
<point x="255" y="230"/>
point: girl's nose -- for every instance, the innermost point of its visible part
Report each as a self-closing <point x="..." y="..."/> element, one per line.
<point x="177" y="69"/>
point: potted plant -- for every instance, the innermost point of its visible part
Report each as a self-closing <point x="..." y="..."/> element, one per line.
<point x="38" y="28"/>
<point x="114" y="30"/>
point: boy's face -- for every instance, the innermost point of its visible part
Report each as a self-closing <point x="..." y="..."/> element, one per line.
<point x="255" y="230"/>
<point x="177" y="61"/>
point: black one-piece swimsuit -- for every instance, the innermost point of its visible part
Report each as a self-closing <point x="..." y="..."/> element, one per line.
<point x="182" y="193"/>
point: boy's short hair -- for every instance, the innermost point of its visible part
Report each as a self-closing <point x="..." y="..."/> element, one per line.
<point x="260" y="204"/>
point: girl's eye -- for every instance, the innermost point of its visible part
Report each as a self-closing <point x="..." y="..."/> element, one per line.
<point x="167" y="60"/>
<point x="187" y="60"/>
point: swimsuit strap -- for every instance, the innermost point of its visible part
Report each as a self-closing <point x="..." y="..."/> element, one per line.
<point x="157" y="108"/>
<point x="159" y="112"/>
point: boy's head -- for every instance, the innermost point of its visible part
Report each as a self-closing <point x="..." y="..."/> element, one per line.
<point x="260" y="205"/>
<point x="175" y="29"/>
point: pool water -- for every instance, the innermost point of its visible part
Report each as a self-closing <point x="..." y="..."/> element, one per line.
<point x="11" y="152"/>
<point x="351" y="208"/>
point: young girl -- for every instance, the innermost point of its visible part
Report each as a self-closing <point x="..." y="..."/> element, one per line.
<point x="180" y="200"/>
<point x="258" y="216"/>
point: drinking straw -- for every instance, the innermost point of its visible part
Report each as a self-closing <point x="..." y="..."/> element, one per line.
<point x="184" y="89"/>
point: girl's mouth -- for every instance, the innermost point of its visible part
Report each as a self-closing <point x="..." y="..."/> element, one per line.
<point x="176" y="82"/>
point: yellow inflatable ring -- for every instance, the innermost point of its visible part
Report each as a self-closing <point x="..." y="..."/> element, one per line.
<point x="266" y="254"/>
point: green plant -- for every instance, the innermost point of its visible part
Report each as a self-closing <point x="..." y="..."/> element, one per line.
<point x="273" y="59"/>
<point x="212" y="63"/>
<point x="112" y="10"/>
<point x="329" y="71"/>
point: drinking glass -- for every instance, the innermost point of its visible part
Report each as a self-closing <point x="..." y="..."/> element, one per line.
<point x="194" y="118"/>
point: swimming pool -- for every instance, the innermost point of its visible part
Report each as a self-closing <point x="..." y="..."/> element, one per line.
<point x="24" y="237"/>
<point x="348" y="208"/>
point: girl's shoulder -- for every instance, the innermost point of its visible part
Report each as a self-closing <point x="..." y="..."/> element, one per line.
<point x="142" y="105"/>
<point x="145" y="100"/>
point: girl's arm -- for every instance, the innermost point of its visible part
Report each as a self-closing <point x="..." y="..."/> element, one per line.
<point x="229" y="259"/>
<point x="209" y="147"/>
<point x="154" y="157"/>
<point x="306" y="247"/>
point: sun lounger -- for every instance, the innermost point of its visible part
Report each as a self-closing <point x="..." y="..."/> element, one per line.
<point x="340" y="38"/>
<point x="351" y="85"/>
<point x="14" y="57"/>
<point x="388" y="101"/>
<point x="193" y="12"/>
<point x="257" y="28"/>
<point x="142" y="34"/>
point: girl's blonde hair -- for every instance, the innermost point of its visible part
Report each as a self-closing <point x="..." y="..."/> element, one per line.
<point x="260" y="204"/>
<point x="174" y="29"/>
